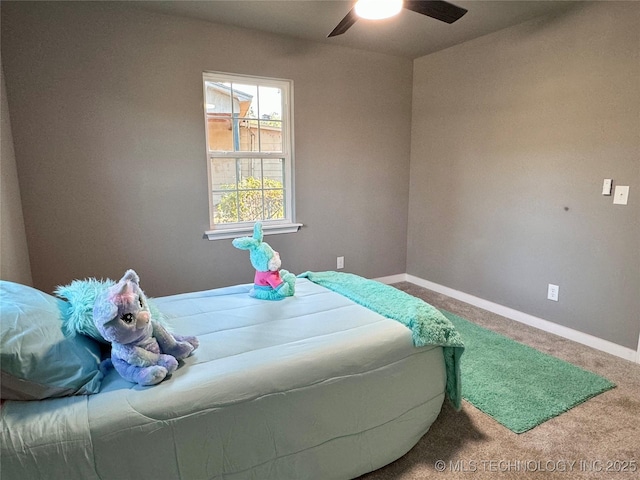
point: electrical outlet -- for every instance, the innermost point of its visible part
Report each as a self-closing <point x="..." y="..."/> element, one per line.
<point x="340" y="263"/>
<point x="621" y="195"/>
<point x="552" y="292"/>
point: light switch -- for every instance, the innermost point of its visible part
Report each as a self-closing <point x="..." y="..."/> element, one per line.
<point x="606" y="187"/>
<point x="621" y="195"/>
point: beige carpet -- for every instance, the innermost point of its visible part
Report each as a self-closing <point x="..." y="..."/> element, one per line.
<point x="597" y="439"/>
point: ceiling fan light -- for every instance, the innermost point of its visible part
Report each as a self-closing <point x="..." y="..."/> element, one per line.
<point x="378" y="9"/>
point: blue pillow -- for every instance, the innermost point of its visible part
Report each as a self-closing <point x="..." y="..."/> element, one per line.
<point x="37" y="360"/>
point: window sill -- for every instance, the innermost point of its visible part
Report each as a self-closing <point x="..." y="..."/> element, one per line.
<point x="267" y="229"/>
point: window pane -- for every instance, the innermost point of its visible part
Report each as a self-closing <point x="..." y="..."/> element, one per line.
<point x="270" y="136"/>
<point x="246" y="97"/>
<point x="274" y="204"/>
<point x="250" y="203"/>
<point x="270" y="103"/>
<point x="225" y="207"/>
<point x="220" y="132"/>
<point x="224" y="187"/>
<point x="219" y="116"/>
<point x="270" y="109"/>
<point x="250" y="207"/>
<point x="273" y="171"/>
<point x="249" y="136"/>
<point x="273" y="181"/>
<point x="219" y="98"/>
<point x="249" y="173"/>
<point x="223" y="173"/>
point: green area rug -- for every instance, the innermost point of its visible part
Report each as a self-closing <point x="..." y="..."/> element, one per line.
<point x="517" y="385"/>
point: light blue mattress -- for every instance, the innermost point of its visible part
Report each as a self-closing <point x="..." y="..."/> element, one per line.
<point x="313" y="386"/>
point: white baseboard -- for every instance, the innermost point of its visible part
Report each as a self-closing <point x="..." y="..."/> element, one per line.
<point x="401" y="277"/>
<point x="510" y="313"/>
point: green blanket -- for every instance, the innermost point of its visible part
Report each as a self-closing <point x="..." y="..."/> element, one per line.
<point x="427" y="324"/>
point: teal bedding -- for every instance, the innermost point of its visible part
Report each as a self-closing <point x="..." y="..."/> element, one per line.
<point x="427" y="324"/>
<point x="313" y="386"/>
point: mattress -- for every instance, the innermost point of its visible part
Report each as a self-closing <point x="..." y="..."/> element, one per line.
<point x="313" y="386"/>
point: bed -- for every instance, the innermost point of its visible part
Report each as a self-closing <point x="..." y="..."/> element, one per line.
<point x="313" y="386"/>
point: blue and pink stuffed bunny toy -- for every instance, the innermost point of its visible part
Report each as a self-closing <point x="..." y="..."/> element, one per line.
<point x="142" y="350"/>
<point x="270" y="282"/>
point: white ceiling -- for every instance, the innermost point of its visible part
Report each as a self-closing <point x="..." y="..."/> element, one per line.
<point x="409" y="34"/>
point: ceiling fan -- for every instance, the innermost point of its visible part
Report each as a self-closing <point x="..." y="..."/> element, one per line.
<point x="440" y="10"/>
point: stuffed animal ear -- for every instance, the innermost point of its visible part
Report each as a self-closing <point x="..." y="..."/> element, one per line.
<point x="245" y="243"/>
<point x="249" y="243"/>
<point x="132" y="276"/>
<point x="257" y="232"/>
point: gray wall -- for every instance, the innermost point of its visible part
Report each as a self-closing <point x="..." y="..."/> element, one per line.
<point x="508" y="132"/>
<point x="14" y="256"/>
<point x="107" y="116"/>
<point x="513" y="134"/>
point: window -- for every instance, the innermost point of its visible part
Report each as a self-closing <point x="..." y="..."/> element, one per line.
<point x="249" y="129"/>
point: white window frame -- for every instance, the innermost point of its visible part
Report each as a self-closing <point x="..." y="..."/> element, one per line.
<point x="270" y="227"/>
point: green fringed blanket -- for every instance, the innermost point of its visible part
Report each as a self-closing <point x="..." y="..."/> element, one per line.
<point x="427" y="324"/>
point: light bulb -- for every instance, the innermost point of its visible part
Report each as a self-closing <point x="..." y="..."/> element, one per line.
<point x="378" y="9"/>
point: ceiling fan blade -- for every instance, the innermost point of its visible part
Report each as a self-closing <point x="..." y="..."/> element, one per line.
<point x="346" y="23"/>
<point x="443" y="11"/>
